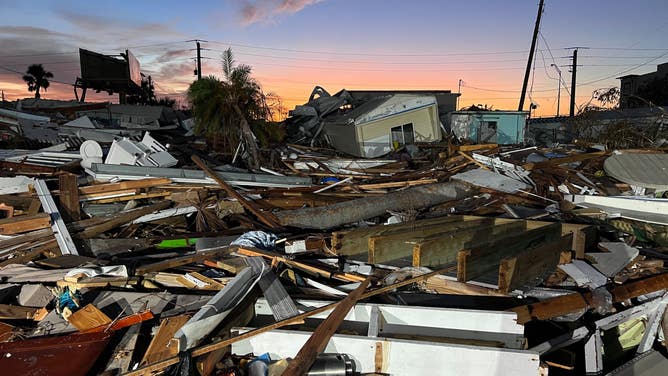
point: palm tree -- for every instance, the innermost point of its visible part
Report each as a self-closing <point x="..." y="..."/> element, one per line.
<point x="224" y="108"/>
<point x="37" y="78"/>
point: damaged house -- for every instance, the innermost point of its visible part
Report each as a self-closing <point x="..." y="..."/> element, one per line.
<point x="370" y="124"/>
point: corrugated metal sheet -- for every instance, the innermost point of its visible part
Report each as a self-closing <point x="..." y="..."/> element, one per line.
<point x="643" y="170"/>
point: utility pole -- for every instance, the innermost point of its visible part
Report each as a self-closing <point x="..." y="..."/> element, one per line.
<point x="558" y="87"/>
<point x="530" y="61"/>
<point x="573" y="80"/>
<point x="459" y="91"/>
<point x="199" y="61"/>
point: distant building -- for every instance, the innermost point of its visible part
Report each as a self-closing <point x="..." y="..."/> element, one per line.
<point x="632" y="83"/>
<point x="489" y="127"/>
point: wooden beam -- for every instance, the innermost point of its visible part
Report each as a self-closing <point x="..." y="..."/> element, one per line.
<point x="355" y="242"/>
<point x="435" y="245"/>
<point x="24" y="223"/>
<point x="183" y="260"/>
<point x="442" y="285"/>
<point x="472" y="160"/>
<point x="69" y="197"/>
<point x="122" y="218"/>
<point x="442" y="249"/>
<point x="133" y="184"/>
<point x="88" y="317"/>
<point x="562" y="305"/>
<point x="27" y="238"/>
<point x="123" y="322"/>
<point x="198" y="351"/>
<point x="138" y="196"/>
<point x="163" y="345"/>
<point x="484" y="257"/>
<point x="16" y="312"/>
<point x="318" y="341"/>
<point x="399" y="244"/>
<point x="533" y="265"/>
<point x="266" y="218"/>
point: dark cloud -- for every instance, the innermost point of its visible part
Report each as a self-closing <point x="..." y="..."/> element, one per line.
<point x="258" y="11"/>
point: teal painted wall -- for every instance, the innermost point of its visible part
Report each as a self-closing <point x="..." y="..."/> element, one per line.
<point x="509" y="127"/>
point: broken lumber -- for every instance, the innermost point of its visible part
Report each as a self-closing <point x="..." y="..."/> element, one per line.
<point x="329" y="216"/>
<point x="530" y="267"/>
<point x="400" y="244"/>
<point x="88" y="317"/>
<point x="69" y="197"/>
<point x="441" y="249"/>
<point x="132" y="184"/>
<point x="485" y="257"/>
<point x="122" y="218"/>
<point x="562" y="305"/>
<point x="266" y="218"/>
<point x="321" y="335"/>
<point x="24" y="223"/>
<point x="201" y="350"/>
<point x="163" y="345"/>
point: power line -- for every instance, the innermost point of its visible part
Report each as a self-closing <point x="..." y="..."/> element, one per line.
<point x="359" y="53"/>
<point x="627" y="70"/>
<point x="51" y="80"/>
<point x="366" y="62"/>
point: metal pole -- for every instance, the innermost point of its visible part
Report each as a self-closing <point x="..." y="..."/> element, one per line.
<point x="533" y="48"/>
<point x="573" y="80"/>
<point x="199" y="62"/>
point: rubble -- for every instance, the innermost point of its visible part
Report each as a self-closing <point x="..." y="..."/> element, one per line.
<point x="481" y="258"/>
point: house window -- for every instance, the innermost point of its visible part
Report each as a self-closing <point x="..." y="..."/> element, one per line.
<point x="402" y="135"/>
<point x="487" y="132"/>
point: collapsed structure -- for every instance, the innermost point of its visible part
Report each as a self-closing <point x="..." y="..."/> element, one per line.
<point x="141" y="253"/>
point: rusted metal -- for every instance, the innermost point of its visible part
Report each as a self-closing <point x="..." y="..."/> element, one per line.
<point x="70" y="355"/>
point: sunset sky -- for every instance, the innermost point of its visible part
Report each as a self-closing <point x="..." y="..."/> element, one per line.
<point x="294" y="45"/>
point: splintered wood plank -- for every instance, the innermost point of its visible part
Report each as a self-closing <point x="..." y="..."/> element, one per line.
<point x="16" y="312"/>
<point x="584" y="236"/>
<point x="122" y="218"/>
<point x="107" y="194"/>
<point x="530" y="267"/>
<point x="398" y="245"/>
<point x="69" y="197"/>
<point x="321" y="335"/>
<point x="484" y="257"/>
<point x="88" y="317"/>
<point x="265" y="217"/>
<point x="163" y="345"/>
<point x="24" y="223"/>
<point x="138" y="196"/>
<point x="561" y="305"/>
<point x="133" y="184"/>
<point x="355" y="242"/>
<point x="443" y="285"/>
<point x="442" y="249"/>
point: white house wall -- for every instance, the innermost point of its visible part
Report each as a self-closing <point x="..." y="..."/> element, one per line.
<point x="399" y="357"/>
<point x="375" y="136"/>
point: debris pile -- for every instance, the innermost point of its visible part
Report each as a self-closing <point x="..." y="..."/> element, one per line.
<point x="476" y="258"/>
